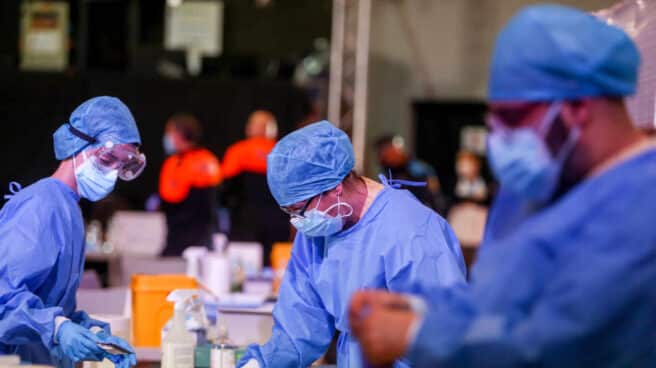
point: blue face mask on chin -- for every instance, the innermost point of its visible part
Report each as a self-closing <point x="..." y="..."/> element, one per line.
<point x="522" y="162"/>
<point x="93" y="183"/>
<point x="318" y="223"/>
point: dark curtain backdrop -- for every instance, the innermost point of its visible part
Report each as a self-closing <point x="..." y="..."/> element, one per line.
<point x="32" y="106"/>
<point x="438" y="125"/>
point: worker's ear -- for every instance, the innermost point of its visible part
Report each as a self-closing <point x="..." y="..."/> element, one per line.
<point x="339" y="189"/>
<point x="576" y="113"/>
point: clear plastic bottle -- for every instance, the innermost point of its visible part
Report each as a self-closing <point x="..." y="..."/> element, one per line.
<point x="223" y="351"/>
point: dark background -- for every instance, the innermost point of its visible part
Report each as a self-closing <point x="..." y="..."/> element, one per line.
<point x="119" y="34"/>
<point x="33" y="107"/>
<point x="438" y="125"/>
<point x="116" y="46"/>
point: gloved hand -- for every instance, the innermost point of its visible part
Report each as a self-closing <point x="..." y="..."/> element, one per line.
<point x="83" y="319"/>
<point x="59" y="359"/>
<point x="78" y="343"/>
<point x="121" y="360"/>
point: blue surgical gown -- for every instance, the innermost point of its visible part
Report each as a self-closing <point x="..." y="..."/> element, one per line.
<point x="41" y="261"/>
<point x="574" y="285"/>
<point x="397" y="245"/>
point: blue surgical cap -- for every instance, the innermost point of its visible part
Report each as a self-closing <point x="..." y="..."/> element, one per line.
<point x="553" y="52"/>
<point x="308" y="162"/>
<point x="101" y="118"/>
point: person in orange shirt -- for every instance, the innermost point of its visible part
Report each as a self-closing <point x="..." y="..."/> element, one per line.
<point x="187" y="186"/>
<point x="254" y="213"/>
<point x="249" y="155"/>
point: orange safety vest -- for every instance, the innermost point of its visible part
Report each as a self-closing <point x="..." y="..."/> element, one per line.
<point x="198" y="168"/>
<point x="249" y="155"/>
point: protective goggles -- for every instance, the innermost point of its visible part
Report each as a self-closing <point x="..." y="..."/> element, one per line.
<point x="125" y="158"/>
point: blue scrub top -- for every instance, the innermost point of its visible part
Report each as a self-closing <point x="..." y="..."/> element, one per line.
<point x="398" y="245"/>
<point x="572" y="285"/>
<point x="41" y="262"/>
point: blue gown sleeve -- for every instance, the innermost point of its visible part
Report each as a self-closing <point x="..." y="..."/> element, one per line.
<point x="30" y="240"/>
<point x="302" y="329"/>
<point x="595" y="310"/>
<point x="433" y="250"/>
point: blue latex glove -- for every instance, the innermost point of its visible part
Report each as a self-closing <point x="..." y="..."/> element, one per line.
<point x="83" y="319"/>
<point x="121" y="360"/>
<point x="78" y="343"/>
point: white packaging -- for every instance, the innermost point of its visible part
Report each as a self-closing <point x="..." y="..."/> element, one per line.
<point x="177" y="355"/>
<point x="217" y="273"/>
<point x="222" y="358"/>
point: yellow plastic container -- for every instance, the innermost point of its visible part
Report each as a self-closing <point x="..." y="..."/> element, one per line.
<point x="150" y="310"/>
<point x="280" y="255"/>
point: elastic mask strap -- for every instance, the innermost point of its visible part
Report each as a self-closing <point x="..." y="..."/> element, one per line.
<point x="14" y="188"/>
<point x="338" y="204"/>
<point x="567" y="148"/>
<point x="84" y="154"/>
<point x="549" y="118"/>
<point x="318" y="202"/>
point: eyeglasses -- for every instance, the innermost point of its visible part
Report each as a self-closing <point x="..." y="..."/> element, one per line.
<point x="297" y="213"/>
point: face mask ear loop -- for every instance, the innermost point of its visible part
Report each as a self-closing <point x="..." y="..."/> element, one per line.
<point x="318" y="202"/>
<point x="549" y="119"/>
<point x="84" y="154"/>
<point x="567" y="148"/>
<point x="338" y="205"/>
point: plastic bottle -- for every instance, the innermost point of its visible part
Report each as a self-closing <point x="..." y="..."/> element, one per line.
<point x="93" y="237"/>
<point x="178" y="345"/>
<point x="223" y="351"/>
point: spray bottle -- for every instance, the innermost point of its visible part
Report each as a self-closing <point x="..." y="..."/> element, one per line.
<point x="178" y="345"/>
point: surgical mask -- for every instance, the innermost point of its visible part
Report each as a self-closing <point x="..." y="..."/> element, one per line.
<point x="521" y="161"/>
<point x="92" y="183"/>
<point x="317" y="223"/>
<point x="169" y="147"/>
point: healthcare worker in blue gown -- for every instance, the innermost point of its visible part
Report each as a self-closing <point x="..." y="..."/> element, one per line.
<point x="567" y="272"/>
<point x="42" y="240"/>
<point x="353" y="233"/>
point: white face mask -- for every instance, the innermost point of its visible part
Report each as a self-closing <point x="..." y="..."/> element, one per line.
<point x="319" y="223"/>
<point x="521" y="161"/>
<point x="93" y="183"/>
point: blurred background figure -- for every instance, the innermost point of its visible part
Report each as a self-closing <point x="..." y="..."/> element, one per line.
<point x="468" y="212"/>
<point x="254" y="214"/>
<point x="249" y="155"/>
<point x="470" y="185"/>
<point x="187" y="186"/>
<point x="395" y="160"/>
